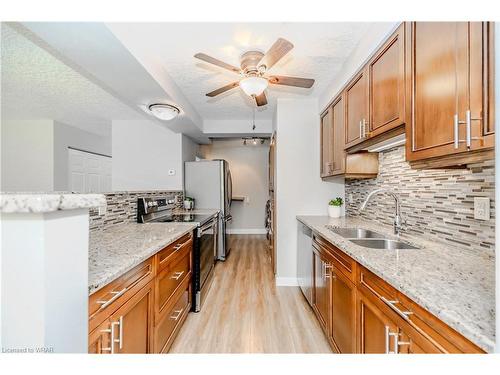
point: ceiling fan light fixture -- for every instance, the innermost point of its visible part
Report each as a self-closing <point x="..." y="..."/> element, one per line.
<point x="253" y="86"/>
<point x="165" y="112"/>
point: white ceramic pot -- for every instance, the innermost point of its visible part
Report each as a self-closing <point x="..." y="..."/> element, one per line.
<point x="334" y="211"/>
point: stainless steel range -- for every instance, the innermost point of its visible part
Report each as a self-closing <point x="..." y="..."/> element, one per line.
<point x="159" y="210"/>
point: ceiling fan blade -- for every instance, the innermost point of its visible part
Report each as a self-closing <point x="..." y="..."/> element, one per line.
<point x="279" y="49"/>
<point x="261" y="99"/>
<point x="214" y="61"/>
<point x="292" y="81"/>
<point x="223" y="89"/>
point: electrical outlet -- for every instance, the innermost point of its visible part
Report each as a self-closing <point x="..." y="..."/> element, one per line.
<point x="171" y="172"/>
<point x="481" y="208"/>
<point x="350" y="198"/>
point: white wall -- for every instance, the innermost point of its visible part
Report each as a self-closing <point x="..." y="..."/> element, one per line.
<point x="143" y="152"/>
<point x="249" y="167"/>
<point x="299" y="188"/>
<point x="27" y="155"/>
<point x="69" y="136"/>
<point x="375" y="35"/>
<point x="235" y="128"/>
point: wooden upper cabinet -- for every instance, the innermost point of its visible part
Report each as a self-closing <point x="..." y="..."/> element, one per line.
<point x="338" y="153"/>
<point x="326" y="144"/>
<point x="386" y="72"/>
<point x="448" y="79"/>
<point x="356" y="109"/>
<point x="343" y="322"/>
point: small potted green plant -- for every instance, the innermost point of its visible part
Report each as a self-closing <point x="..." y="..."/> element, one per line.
<point x="335" y="207"/>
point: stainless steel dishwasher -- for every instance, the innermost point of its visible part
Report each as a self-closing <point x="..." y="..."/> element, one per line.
<point x="304" y="260"/>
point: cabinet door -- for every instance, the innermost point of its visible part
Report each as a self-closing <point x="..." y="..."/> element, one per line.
<point x="415" y="344"/>
<point x="99" y="339"/>
<point x="326" y="144"/>
<point x="338" y="153"/>
<point x="448" y="80"/>
<point x="321" y="289"/>
<point x="375" y="329"/>
<point x="356" y="110"/>
<point x="343" y="327"/>
<point x="133" y="321"/>
<point x="387" y="85"/>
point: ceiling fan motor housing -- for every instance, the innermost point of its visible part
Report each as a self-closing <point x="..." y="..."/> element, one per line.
<point x="249" y="62"/>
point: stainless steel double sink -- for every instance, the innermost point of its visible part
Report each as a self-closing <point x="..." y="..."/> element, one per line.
<point x="370" y="239"/>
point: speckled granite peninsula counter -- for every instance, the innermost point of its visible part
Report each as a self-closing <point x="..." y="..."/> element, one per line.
<point x="457" y="286"/>
<point x="114" y="251"/>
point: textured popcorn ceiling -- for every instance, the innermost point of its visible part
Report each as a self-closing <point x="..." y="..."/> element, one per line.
<point x="36" y="85"/>
<point x="320" y="50"/>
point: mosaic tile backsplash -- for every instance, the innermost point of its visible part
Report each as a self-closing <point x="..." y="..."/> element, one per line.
<point x="437" y="203"/>
<point x="122" y="207"/>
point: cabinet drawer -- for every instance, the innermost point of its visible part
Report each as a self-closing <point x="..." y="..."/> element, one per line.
<point x="373" y="286"/>
<point x="412" y="318"/>
<point x="169" y="280"/>
<point x="341" y="260"/>
<point x="169" y="253"/>
<point x="106" y="300"/>
<point x="168" y="326"/>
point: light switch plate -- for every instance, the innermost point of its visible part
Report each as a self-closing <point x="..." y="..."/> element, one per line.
<point x="481" y="208"/>
<point x="171" y="172"/>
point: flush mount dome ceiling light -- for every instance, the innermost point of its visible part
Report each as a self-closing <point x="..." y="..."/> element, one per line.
<point x="253" y="86"/>
<point x="165" y="112"/>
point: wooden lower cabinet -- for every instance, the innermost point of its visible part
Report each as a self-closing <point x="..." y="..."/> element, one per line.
<point x="343" y="320"/>
<point x="170" y="322"/>
<point x="143" y="310"/>
<point x="134" y="323"/>
<point x="99" y="339"/>
<point x="361" y="313"/>
<point x="374" y="328"/>
<point x="321" y="288"/>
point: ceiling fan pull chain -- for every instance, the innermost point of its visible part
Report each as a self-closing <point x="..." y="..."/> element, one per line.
<point x="253" y="119"/>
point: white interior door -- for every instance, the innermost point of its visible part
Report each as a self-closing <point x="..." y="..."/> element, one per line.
<point x="88" y="172"/>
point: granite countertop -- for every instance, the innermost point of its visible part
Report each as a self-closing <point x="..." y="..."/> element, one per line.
<point x="116" y="250"/>
<point x="48" y="202"/>
<point x="457" y="286"/>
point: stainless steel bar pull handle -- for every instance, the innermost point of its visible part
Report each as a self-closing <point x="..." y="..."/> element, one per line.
<point x="104" y="304"/>
<point x="404" y="314"/>
<point x="178" y="314"/>
<point x="120" y="339"/>
<point x="360" y="129"/>
<point x="388" y="335"/>
<point x="455" y="130"/>
<point x="468" y="129"/>
<point x="177" y="275"/>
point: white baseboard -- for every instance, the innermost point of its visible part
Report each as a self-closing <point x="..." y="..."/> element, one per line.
<point x="247" y="231"/>
<point x="286" y="281"/>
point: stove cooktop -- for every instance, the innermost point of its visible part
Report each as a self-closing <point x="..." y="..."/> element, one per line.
<point x="184" y="218"/>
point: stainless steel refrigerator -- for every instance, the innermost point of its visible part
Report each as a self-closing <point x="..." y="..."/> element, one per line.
<point x="209" y="183"/>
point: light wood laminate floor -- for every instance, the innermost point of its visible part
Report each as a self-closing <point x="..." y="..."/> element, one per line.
<point x="246" y="313"/>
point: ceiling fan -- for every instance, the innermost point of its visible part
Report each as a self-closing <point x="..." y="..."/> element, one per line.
<point x="253" y="69"/>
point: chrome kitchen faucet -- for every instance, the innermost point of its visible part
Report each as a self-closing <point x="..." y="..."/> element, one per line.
<point x="397" y="217"/>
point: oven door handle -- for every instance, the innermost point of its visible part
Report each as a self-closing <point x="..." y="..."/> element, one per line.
<point x="207" y="227"/>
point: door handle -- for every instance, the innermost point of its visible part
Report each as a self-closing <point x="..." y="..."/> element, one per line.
<point x="388" y="335"/>
<point x="177" y="275"/>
